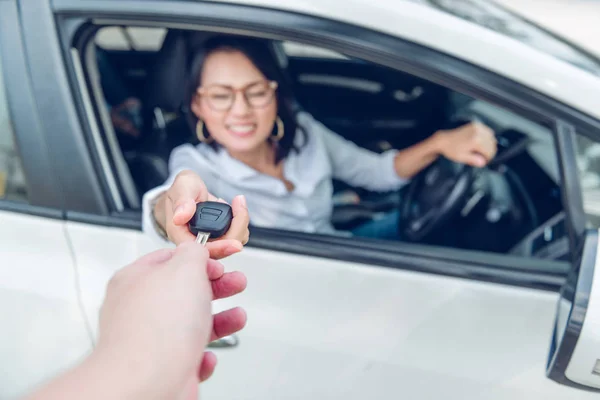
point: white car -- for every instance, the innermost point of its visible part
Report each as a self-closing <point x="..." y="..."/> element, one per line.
<point x="492" y="296"/>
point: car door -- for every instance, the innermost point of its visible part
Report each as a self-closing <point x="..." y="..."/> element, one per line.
<point x="331" y="317"/>
<point x="43" y="331"/>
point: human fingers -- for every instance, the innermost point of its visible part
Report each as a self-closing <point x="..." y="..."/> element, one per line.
<point x="207" y="366"/>
<point x="183" y="208"/>
<point x="486" y="142"/>
<point x="228" y="285"/>
<point x="477" y="144"/>
<point x="227" y="323"/>
<point x="214" y="269"/>
<point x="187" y="189"/>
<point x="222" y="248"/>
<point x="191" y="256"/>
<point x="474" y="159"/>
<point x="478" y="154"/>
<point x="241" y="219"/>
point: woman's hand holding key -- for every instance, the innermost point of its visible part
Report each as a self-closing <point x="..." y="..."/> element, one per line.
<point x="176" y="207"/>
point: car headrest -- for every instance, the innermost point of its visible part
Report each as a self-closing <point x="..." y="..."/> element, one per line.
<point x="166" y="78"/>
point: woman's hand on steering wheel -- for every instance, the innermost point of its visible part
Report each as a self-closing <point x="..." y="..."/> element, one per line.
<point x="473" y="144"/>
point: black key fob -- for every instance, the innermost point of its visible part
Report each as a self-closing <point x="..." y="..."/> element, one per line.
<point x="211" y="217"/>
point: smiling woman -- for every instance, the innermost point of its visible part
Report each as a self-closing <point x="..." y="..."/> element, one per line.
<point x="234" y="92"/>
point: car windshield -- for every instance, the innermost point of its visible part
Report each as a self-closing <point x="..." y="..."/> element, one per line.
<point x="494" y="17"/>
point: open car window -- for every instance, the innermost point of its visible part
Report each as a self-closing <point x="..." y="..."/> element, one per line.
<point x="511" y="208"/>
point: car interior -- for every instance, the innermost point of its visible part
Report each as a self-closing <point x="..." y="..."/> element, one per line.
<point x="511" y="206"/>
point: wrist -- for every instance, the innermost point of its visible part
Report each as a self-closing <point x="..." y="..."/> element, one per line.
<point x="124" y="375"/>
<point x="158" y="215"/>
<point x="124" y="383"/>
<point x="439" y="143"/>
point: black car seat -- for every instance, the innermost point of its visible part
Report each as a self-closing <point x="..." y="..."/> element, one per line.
<point x="162" y="104"/>
<point x="165" y="92"/>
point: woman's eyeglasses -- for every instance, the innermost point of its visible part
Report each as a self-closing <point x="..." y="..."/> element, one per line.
<point x="221" y="97"/>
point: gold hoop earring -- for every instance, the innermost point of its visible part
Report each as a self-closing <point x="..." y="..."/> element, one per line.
<point x="200" y="133"/>
<point x="280" y="130"/>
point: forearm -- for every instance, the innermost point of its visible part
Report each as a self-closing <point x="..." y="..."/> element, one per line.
<point x="414" y="159"/>
<point x="97" y="377"/>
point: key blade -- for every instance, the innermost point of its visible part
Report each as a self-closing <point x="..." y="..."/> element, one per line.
<point x="202" y="238"/>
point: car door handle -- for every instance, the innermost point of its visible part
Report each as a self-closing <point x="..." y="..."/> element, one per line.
<point x="226" y="341"/>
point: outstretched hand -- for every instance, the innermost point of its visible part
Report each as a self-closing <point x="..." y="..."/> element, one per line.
<point x="158" y="310"/>
<point x="155" y="324"/>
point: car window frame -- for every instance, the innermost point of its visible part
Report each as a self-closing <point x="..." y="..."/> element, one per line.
<point x="43" y="188"/>
<point x="376" y="47"/>
<point x="128" y="37"/>
<point x="57" y="159"/>
<point x="592" y="217"/>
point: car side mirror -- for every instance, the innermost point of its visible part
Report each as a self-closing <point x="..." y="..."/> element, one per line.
<point x="574" y="358"/>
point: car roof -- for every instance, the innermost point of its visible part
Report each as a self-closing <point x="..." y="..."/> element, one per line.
<point x="503" y="43"/>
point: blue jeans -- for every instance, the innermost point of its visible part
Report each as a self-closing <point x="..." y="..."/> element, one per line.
<point x="384" y="227"/>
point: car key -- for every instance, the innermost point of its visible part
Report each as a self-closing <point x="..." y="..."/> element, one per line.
<point x="211" y="219"/>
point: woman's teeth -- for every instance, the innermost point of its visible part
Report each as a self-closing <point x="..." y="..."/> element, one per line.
<point x="241" y="128"/>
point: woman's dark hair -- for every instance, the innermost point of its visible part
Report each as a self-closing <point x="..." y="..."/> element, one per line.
<point x="260" y="54"/>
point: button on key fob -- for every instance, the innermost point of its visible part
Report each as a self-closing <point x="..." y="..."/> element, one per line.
<point x="211" y="220"/>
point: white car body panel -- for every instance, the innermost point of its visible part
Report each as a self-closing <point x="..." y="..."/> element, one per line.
<point x="43" y="330"/>
<point x="100" y="251"/>
<point x="337" y="330"/>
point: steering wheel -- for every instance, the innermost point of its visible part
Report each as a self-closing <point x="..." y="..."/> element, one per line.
<point x="433" y="196"/>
